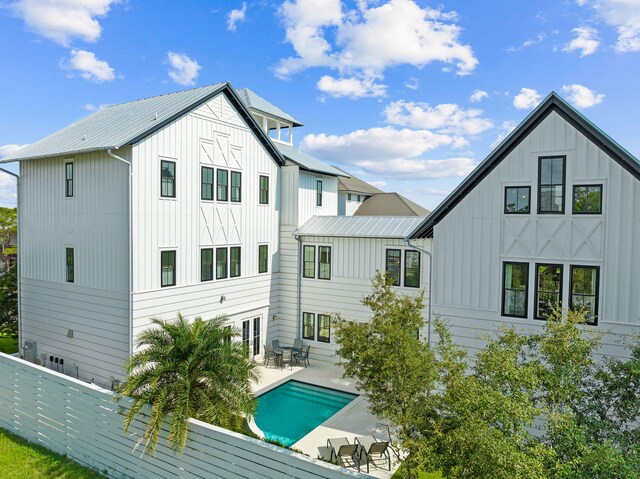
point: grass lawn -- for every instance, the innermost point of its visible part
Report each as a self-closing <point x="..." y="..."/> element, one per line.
<point x="8" y="345"/>
<point x="20" y="459"/>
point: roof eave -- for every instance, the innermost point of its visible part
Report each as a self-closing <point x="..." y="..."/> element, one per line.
<point x="64" y="153"/>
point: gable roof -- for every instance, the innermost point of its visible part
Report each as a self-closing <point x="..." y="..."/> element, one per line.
<point x="306" y="161"/>
<point x="127" y="123"/>
<point x="390" y="204"/>
<point x="252" y="100"/>
<point x="359" y="226"/>
<point x="353" y="184"/>
<point x="552" y="103"/>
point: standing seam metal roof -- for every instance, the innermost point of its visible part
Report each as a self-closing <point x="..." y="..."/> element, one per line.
<point x="252" y="100"/>
<point x="308" y="162"/>
<point x="360" y="226"/>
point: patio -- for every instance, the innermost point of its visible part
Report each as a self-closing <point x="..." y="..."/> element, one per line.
<point x="352" y="421"/>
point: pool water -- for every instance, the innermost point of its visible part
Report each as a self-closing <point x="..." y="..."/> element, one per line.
<point x="289" y="412"/>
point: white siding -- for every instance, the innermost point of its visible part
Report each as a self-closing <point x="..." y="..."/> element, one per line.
<point x="473" y="240"/>
<point x="307" y="196"/>
<point x="346" y="206"/>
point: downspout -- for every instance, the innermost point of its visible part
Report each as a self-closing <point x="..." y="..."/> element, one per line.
<point x="19" y="266"/>
<point x="299" y="289"/>
<point x="428" y="253"/>
<point x="128" y="163"/>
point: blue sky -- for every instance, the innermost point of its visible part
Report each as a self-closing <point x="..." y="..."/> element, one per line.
<point x="409" y="95"/>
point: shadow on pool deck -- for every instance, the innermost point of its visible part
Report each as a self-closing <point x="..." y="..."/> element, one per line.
<point x="351" y="421"/>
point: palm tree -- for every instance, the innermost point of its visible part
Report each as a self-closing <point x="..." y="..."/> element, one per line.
<point x="188" y="369"/>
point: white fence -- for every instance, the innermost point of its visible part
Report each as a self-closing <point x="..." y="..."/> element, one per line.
<point x="82" y="421"/>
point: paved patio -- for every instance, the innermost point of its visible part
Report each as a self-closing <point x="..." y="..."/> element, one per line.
<point x="353" y="420"/>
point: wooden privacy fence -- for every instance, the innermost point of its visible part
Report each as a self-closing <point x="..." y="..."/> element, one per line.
<point x="82" y="421"/>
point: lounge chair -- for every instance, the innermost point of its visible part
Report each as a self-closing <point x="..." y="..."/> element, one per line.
<point x="269" y="354"/>
<point x="371" y="450"/>
<point x="343" y="453"/>
<point x="297" y="344"/>
<point x="303" y="355"/>
<point x="286" y="357"/>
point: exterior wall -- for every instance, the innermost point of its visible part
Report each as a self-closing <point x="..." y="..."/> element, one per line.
<point x="476" y="237"/>
<point x="213" y="135"/>
<point x="95" y="223"/>
<point x="346" y="206"/>
<point x="307" y="196"/>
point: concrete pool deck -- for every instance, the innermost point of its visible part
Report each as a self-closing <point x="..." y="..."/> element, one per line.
<point x="351" y="421"/>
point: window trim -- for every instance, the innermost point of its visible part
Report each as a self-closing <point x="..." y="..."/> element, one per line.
<point x="70" y="265"/>
<point x="266" y="260"/>
<point x="319" y="262"/>
<point x="226" y="186"/>
<point x="564" y="184"/>
<point x="313" y="328"/>
<point x="319" y="188"/>
<point x="68" y="180"/>
<point x="535" y="294"/>
<point x="175" y="173"/>
<point x="231" y="175"/>
<point x="328" y="340"/>
<point x="386" y="262"/>
<point x="260" y="189"/>
<point x="304" y="261"/>
<point x="404" y="269"/>
<point x="528" y="187"/>
<point x="573" y="203"/>
<point x="226" y="263"/>
<point x="597" y="302"/>
<point x="175" y="267"/>
<point x="526" y="291"/>
<point x="213" y="183"/>
<point x="212" y="276"/>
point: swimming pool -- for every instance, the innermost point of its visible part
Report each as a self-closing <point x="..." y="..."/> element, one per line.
<point x="289" y="412"/>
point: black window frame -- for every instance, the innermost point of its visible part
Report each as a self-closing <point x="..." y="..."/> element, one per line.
<point x="506" y="212"/>
<point x="406" y="253"/>
<point x="318" y="192"/>
<point x="305" y="315"/>
<point x="164" y="181"/>
<point x="162" y="267"/>
<point x="526" y="291"/>
<point x="594" y="321"/>
<point x="386" y="265"/>
<point x="256" y="335"/>
<point x="573" y="199"/>
<point x="564" y="184"/>
<point x="246" y="335"/>
<point x="238" y="271"/>
<point x="537" y="288"/>
<point x="207" y="187"/>
<point x="263" y="191"/>
<point x="305" y="262"/>
<point x="68" y="179"/>
<point x="320" y="338"/>
<point x="222" y="187"/>
<point x="235" y="188"/>
<point x="203" y="268"/>
<point x="263" y="261"/>
<point x="70" y="265"/>
<point x="320" y="263"/>
<point x="226" y="263"/>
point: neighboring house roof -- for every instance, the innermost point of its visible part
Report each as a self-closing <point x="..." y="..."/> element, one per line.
<point x="252" y="100"/>
<point x="390" y="204"/>
<point x="307" y="162"/>
<point x="352" y="184"/>
<point x="360" y="226"/>
<point x="127" y="123"/>
<point x="552" y="103"/>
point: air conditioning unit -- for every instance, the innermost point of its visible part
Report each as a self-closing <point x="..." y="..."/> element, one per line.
<point x="30" y="351"/>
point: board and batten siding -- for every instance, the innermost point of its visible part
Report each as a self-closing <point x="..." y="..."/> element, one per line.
<point x="94" y="222"/>
<point x="215" y="136"/>
<point x="476" y="237"/>
<point x="307" y="205"/>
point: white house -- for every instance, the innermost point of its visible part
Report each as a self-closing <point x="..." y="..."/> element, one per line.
<point x="551" y="216"/>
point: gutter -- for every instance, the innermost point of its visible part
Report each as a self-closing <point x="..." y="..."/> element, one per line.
<point x="428" y="253"/>
<point x="19" y="267"/>
<point x="128" y="163"/>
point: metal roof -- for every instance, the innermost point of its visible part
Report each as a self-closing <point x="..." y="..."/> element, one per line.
<point x="307" y="162"/>
<point x="353" y="184"/>
<point x="360" y="226"/>
<point x="390" y="204"/>
<point x="252" y="100"/>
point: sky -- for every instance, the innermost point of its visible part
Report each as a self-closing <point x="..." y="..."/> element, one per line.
<point x="409" y="95"/>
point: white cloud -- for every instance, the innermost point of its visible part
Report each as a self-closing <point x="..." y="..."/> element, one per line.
<point x="89" y="67"/>
<point x="63" y="20"/>
<point x="377" y="184"/>
<point x="8" y="190"/>
<point x="530" y="42"/>
<point x="586" y="41"/>
<point x="505" y="128"/>
<point x="581" y="96"/>
<point x="6" y="150"/>
<point x="182" y="69"/>
<point x="366" y="41"/>
<point x="412" y="83"/>
<point x="236" y="16"/>
<point x="92" y="107"/>
<point x="446" y="117"/>
<point x="478" y="95"/>
<point x="526" y="99"/>
<point x="350" y="87"/>
<point x="624" y="16"/>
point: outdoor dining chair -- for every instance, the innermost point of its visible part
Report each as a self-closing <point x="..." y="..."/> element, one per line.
<point x="286" y="357"/>
<point x="303" y="355"/>
<point x="275" y="344"/>
<point x="269" y="354"/>
<point x="370" y="450"/>
<point x="297" y="344"/>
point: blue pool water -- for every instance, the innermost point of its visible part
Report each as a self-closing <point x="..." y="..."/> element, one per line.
<point x="290" y="411"/>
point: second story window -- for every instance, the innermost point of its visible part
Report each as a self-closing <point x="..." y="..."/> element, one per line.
<point x="516" y="199"/>
<point x="392" y="265"/>
<point x="309" y="262"/>
<point x="206" y="264"/>
<point x="585" y="291"/>
<point x="70" y="266"/>
<point x="263" y="258"/>
<point x="587" y="199"/>
<point x="324" y="262"/>
<point x="167" y="179"/>
<point x="68" y="180"/>
<point x="167" y="268"/>
<point x="318" y="192"/>
<point x="548" y="289"/>
<point x="551" y="184"/>
<point x="207" y="184"/>
<point x="514" y="289"/>
<point x="234" y="261"/>
<point x="223" y="185"/>
<point x="411" y="269"/>
<point x="221" y="263"/>
<point x="236" y="186"/>
<point x="264" y="190"/>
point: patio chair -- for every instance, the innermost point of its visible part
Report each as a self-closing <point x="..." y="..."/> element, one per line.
<point x="269" y="354"/>
<point x="286" y="357"/>
<point x="342" y="452"/>
<point x="275" y="344"/>
<point x="303" y="355"/>
<point x="370" y="450"/>
<point x="297" y="344"/>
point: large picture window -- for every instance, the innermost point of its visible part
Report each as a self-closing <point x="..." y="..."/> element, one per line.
<point x="392" y="265"/>
<point x="551" y="184"/>
<point x="221" y="263"/>
<point x="516" y="199"/>
<point x="324" y="328"/>
<point x="206" y="264"/>
<point x="514" y="293"/>
<point x="264" y="190"/>
<point x="411" y="269"/>
<point x="308" y="326"/>
<point x="324" y="262"/>
<point x="222" y="185"/>
<point x="68" y="180"/>
<point x="167" y="179"/>
<point x="587" y="199"/>
<point x="234" y="261"/>
<point x="236" y="186"/>
<point x="548" y="289"/>
<point x="206" y="192"/>
<point x="263" y="258"/>
<point x="585" y="291"/>
<point x="309" y="262"/>
<point x="167" y="268"/>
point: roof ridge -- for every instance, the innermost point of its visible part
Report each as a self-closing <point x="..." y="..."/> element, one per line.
<point x="167" y="94"/>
